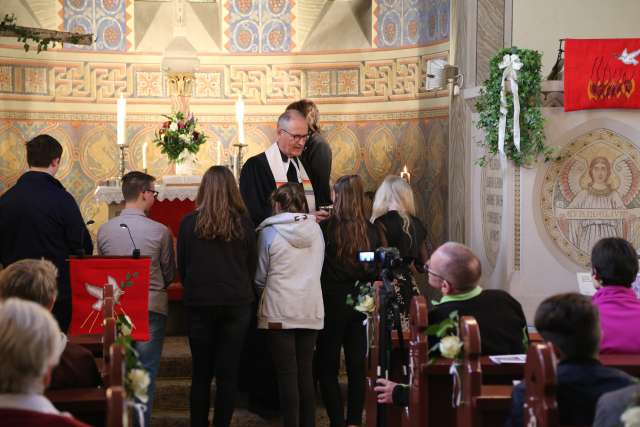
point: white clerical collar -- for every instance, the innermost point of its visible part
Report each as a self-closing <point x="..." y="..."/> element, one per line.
<point x="28" y="402"/>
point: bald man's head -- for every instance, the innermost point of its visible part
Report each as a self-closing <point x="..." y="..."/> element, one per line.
<point x="456" y="264"/>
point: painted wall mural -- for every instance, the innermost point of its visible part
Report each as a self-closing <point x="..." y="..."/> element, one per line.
<point x="592" y="194"/>
<point x="107" y="19"/>
<point x="401" y="23"/>
<point x="372" y="149"/>
<point x="260" y="25"/>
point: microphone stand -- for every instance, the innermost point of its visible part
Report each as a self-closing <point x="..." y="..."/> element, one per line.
<point x="136" y="251"/>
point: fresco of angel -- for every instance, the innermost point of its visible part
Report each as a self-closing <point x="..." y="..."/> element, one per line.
<point x="595" y="198"/>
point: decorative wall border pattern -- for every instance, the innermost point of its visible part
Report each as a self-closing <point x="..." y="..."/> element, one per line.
<point x="435" y="113"/>
<point x="96" y="82"/>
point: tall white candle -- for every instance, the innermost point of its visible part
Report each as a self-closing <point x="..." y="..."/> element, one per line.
<point x="240" y="119"/>
<point x="145" y="146"/>
<point x="122" y="112"/>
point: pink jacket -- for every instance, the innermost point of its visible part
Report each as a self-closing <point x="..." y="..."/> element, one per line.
<point x="619" y="319"/>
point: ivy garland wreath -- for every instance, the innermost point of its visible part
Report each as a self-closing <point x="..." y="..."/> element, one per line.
<point x="527" y="64"/>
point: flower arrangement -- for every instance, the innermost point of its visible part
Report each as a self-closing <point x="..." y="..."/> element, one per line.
<point x="136" y="378"/>
<point x="518" y="137"/>
<point x="449" y="344"/>
<point x="178" y="136"/>
<point x="362" y="299"/>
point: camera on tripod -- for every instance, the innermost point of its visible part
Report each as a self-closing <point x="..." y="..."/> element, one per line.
<point x="383" y="258"/>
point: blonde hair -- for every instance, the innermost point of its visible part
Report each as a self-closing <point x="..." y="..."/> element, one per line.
<point x="30" y="279"/>
<point x="30" y="344"/>
<point x="394" y="193"/>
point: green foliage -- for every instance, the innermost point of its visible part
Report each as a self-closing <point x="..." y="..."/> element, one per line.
<point x="532" y="141"/>
<point x="177" y="135"/>
<point x="448" y="326"/>
<point x="24" y="34"/>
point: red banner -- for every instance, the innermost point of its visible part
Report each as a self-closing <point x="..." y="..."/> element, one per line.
<point x="601" y="73"/>
<point x="130" y="278"/>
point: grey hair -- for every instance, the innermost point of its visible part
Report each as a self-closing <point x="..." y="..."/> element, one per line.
<point x="30" y="279"/>
<point x="287" y="116"/>
<point x="30" y="344"/>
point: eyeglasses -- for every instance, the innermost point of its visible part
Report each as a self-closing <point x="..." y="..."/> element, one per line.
<point x="430" y="272"/>
<point x="155" y="193"/>
<point x="296" y="137"/>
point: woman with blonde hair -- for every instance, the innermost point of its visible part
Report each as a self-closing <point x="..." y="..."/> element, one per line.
<point x="217" y="262"/>
<point x="316" y="156"/>
<point x="394" y="213"/>
<point x="346" y="233"/>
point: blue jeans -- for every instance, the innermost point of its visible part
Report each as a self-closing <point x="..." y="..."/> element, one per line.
<point x="150" y="352"/>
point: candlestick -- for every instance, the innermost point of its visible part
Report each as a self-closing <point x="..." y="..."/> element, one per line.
<point x="145" y="145"/>
<point x="121" y="113"/>
<point x="240" y="119"/>
<point x="405" y="175"/>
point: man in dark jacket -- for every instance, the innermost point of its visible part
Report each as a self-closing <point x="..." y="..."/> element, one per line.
<point x="570" y="322"/>
<point x="40" y="219"/>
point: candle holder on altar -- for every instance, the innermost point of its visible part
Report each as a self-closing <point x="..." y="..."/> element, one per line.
<point x="238" y="160"/>
<point x="121" y="164"/>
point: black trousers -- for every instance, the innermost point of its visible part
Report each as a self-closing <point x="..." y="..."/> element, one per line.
<point x="292" y="352"/>
<point x="342" y="328"/>
<point x="216" y="337"/>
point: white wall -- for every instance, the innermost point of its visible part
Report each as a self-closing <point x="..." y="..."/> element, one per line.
<point x="538" y="24"/>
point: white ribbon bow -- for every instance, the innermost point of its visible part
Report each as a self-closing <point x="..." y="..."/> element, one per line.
<point x="510" y="64"/>
<point x="456" y="390"/>
<point x="138" y="409"/>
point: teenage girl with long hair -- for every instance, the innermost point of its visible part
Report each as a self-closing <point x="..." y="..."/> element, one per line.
<point x="394" y="214"/>
<point x="346" y="233"/>
<point x="217" y="259"/>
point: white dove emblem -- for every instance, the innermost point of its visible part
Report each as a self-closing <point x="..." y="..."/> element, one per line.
<point x="629" y="58"/>
<point x="96" y="292"/>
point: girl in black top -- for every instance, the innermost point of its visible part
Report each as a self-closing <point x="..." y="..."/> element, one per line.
<point x="345" y="233"/>
<point x="316" y="156"/>
<point x="217" y="259"/>
<point x="393" y="214"/>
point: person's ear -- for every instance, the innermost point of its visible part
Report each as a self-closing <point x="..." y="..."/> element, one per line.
<point x="446" y="288"/>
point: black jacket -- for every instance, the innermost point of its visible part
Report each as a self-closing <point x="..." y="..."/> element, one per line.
<point x="580" y="385"/>
<point x="40" y="219"/>
<point x="339" y="275"/>
<point x="499" y="316"/>
<point x="316" y="159"/>
<point x="215" y="272"/>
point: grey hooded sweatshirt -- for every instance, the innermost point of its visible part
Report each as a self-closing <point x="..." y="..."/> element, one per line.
<point x="290" y="257"/>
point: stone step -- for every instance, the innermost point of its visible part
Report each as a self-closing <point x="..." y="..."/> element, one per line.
<point x="175" y="361"/>
<point x="241" y="418"/>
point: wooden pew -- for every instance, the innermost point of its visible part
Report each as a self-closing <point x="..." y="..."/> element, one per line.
<point x="116" y="407"/>
<point x="540" y="406"/>
<point x="481" y="405"/>
<point x="116" y="366"/>
<point x="392" y="413"/>
<point x="418" y="356"/>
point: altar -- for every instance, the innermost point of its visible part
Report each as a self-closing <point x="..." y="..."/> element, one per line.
<point x="173" y="202"/>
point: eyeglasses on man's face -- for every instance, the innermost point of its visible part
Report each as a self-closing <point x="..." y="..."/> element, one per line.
<point x="296" y="137"/>
<point x="155" y="193"/>
<point x="430" y="272"/>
